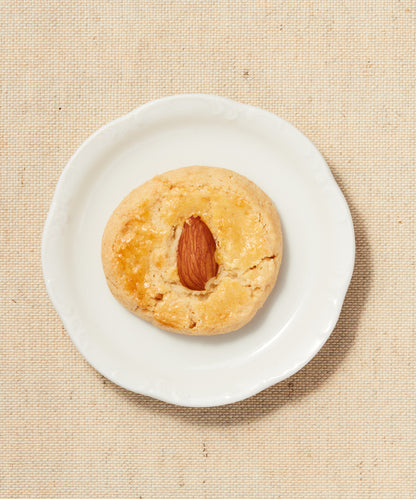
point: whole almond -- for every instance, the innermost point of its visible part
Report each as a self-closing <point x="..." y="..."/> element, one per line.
<point x="196" y="254"/>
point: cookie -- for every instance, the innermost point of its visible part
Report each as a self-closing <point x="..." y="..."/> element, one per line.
<point x="195" y="250"/>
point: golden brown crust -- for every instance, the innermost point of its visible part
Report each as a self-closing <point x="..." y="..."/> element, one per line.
<point x="140" y="243"/>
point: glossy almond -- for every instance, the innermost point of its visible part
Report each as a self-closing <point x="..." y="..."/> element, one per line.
<point x="196" y="254"/>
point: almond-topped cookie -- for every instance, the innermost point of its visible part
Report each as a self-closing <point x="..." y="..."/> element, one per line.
<point x="195" y="250"/>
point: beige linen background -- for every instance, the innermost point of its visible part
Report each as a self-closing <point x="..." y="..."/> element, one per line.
<point x="343" y="72"/>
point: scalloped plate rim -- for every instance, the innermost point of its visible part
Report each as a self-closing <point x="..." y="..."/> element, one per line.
<point x="171" y="398"/>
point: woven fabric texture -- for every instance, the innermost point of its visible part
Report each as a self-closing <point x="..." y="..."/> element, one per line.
<point x="343" y="72"/>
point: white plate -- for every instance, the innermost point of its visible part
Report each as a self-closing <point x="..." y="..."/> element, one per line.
<point x="318" y="253"/>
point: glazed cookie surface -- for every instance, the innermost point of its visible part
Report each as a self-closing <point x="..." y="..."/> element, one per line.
<point x="195" y="250"/>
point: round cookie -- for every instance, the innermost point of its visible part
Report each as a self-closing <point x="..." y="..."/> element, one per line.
<point x="195" y="250"/>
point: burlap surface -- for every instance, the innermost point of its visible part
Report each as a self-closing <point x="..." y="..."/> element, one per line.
<point x="344" y="74"/>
